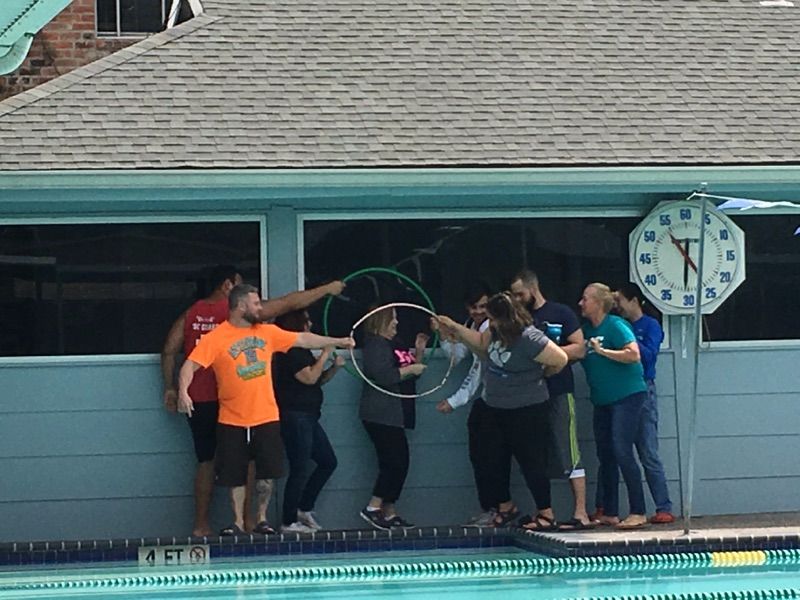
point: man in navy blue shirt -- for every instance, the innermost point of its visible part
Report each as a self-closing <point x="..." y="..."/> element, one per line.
<point x="561" y="325"/>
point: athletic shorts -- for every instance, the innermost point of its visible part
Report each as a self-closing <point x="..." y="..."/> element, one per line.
<point x="237" y="446"/>
<point x="203" y="424"/>
<point x="565" y="456"/>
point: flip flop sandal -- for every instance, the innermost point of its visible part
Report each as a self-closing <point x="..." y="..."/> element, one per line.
<point x="232" y="530"/>
<point x="629" y="526"/>
<point x="263" y="528"/>
<point x="575" y="525"/>
<point x="540" y="523"/>
<point x="505" y="517"/>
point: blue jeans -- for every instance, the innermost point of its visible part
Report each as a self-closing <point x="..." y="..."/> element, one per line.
<point x="647" y="447"/>
<point x="616" y="427"/>
<point x="305" y="441"/>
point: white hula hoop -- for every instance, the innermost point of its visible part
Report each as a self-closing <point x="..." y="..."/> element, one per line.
<point x="373" y="384"/>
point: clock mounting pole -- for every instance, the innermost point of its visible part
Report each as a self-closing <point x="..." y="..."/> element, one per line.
<point x="698" y="332"/>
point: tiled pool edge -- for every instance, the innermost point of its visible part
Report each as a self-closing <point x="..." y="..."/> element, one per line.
<point x="282" y="544"/>
<point x="571" y="545"/>
<point x="425" y="538"/>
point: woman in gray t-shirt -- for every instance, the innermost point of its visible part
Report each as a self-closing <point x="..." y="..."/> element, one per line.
<point x="517" y="357"/>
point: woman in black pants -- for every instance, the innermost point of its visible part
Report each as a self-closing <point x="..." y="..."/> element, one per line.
<point x="386" y="417"/>
<point x="518" y="357"/>
<point x="298" y="377"/>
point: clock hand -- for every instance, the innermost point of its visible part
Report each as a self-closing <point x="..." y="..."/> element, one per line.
<point x="677" y="243"/>
<point x="686" y="265"/>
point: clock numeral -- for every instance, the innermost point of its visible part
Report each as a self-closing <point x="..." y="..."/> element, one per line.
<point x="688" y="300"/>
<point x="711" y="292"/>
<point x="664" y="220"/>
<point x="708" y="219"/>
<point x="649" y="236"/>
<point x="686" y="214"/>
<point x="645" y="258"/>
<point x="723" y="234"/>
<point x="650" y="280"/>
<point x="725" y="277"/>
<point x="666" y="294"/>
<point x="730" y="255"/>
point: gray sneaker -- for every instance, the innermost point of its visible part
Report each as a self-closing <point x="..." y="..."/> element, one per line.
<point x="309" y="519"/>
<point x="485" y="519"/>
<point x="296" y="527"/>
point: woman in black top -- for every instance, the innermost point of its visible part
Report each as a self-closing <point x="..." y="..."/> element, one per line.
<point x="386" y="417"/>
<point x="297" y="378"/>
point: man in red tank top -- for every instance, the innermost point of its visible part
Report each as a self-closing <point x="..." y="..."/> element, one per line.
<point x="200" y="318"/>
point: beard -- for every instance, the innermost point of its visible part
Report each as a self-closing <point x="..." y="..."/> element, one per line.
<point x="251" y="318"/>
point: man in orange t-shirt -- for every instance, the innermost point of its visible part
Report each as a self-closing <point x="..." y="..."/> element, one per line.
<point x="240" y="353"/>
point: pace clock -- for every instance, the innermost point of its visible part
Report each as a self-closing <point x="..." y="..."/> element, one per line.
<point x="665" y="255"/>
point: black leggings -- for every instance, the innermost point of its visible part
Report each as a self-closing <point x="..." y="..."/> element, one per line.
<point x="391" y="446"/>
<point x="489" y="455"/>
<point x="523" y="433"/>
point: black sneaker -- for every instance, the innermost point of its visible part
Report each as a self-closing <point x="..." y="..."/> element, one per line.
<point x="376" y="519"/>
<point x="397" y="522"/>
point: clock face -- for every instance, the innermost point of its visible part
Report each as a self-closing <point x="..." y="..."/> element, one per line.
<point x="665" y="257"/>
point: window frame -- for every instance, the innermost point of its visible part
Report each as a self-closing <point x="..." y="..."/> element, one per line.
<point x="753" y="344"/>
<point x="133" y="358"/>
<point x="121" y="35"/>
<point x="349" y="215"/>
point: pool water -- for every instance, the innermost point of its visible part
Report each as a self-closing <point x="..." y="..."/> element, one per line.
<point x="427" y="575"/>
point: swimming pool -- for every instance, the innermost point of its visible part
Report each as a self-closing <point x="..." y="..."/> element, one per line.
<point x="507" y="573"/>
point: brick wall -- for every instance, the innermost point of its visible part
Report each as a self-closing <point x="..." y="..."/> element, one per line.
<point x="69" y="41"/>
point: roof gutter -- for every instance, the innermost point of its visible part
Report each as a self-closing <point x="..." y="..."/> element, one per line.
<point x="19" y="22"/>
<point x="566" y="179"/>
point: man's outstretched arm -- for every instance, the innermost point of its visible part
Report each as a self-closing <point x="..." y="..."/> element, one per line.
<point x="276" y="307"/>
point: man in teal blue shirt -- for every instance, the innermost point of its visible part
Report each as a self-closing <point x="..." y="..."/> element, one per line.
<point x="617" y="390"/>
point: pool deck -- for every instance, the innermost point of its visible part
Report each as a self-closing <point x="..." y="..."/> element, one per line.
<point x="725" y="533"/>
<point x="730" y="533"/>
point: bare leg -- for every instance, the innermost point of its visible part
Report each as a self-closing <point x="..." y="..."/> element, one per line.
<point x="578" y="485"/>
<point x="547" y="512"/>
<point x="389" y="510"/>
<point x="237" y="504"/>
<point x="505" y="506"/>
<point x="249" y="524"/>
<point x="263" y="493"/>
<point x="203" y="489"/>
<point x="375" y="502"/>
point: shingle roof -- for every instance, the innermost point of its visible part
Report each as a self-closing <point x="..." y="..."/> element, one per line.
<point x="345" y="83"/>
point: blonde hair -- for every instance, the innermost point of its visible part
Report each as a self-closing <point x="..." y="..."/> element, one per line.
<point x="376" y="323"/>
<point x="604" y="295"/>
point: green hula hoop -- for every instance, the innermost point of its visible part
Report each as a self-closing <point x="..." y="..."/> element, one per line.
<point x="417" y="288"/>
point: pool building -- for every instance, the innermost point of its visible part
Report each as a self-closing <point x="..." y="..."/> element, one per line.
<point x="303" y="141"/>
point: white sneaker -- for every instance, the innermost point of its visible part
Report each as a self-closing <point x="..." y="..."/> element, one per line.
<point x="296" y="527"/>
<point x="308" y="519"/>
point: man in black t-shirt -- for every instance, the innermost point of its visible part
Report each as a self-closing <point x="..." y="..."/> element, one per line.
<point x="561" y="325"/>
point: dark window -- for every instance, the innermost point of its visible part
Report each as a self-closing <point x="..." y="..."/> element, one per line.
<point x="109" y="289"/>
<point x="131" y="17"/>
<point x="444" y="256"/>
<point x="764" y="307"/>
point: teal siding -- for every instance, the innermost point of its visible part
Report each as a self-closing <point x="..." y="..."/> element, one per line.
<point x="747" y="429"/>
<point x="90" y="447"/>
